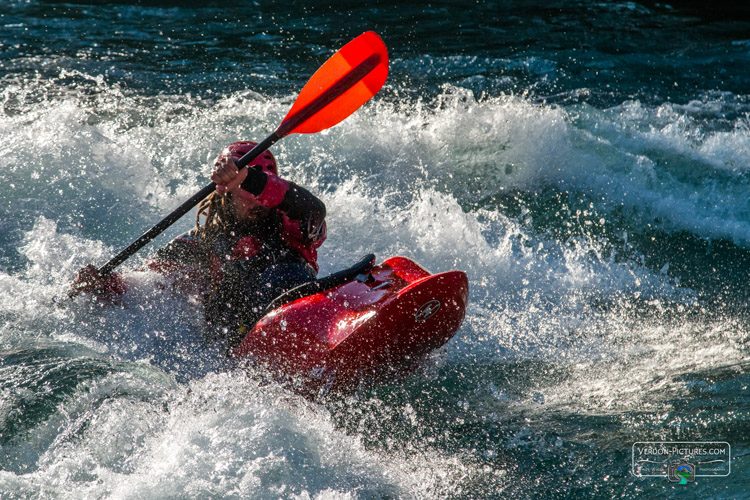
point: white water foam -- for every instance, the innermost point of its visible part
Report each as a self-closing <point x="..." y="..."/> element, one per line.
<point x="394" y="179"/>
<point x="222" y="436"/>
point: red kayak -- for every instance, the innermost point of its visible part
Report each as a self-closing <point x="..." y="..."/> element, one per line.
<point x="359" y="324"/>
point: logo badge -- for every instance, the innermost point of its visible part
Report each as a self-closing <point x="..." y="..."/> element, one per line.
<point x="681" y="472"/>
<point x="427" y="310"/>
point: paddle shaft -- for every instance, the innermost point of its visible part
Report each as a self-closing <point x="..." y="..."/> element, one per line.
<point x="182" y="209"/>
<point x="286" y="127"/>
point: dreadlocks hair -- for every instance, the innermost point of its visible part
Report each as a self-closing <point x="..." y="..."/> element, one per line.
<point x="218" y="213"/>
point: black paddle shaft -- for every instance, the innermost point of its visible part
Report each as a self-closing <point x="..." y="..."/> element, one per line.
<point x="182" y="209"/>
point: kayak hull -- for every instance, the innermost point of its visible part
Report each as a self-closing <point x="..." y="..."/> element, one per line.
<point x="371" y="327"/>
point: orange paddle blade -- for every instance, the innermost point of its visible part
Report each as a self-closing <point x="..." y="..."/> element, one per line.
<point x="344" y="83"/>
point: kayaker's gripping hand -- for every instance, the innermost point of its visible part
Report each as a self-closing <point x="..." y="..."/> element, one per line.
<point x="106" y="287"/>
<point x="226" y="175"/>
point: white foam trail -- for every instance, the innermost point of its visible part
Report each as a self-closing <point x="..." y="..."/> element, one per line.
<point x="221" y="436"/>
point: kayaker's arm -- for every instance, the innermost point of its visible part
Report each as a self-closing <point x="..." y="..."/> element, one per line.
<point x="295" y="202"/>
<point x="184" y="249"/>
<point x="185" y="263"/>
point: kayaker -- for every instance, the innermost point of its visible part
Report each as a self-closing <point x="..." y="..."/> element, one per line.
<point x="258" y="238"/>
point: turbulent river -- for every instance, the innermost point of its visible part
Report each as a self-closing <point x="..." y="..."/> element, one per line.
<point x="587" y="165"/>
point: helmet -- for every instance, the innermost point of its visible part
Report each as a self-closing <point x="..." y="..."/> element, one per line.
<point x="265" y="162"/>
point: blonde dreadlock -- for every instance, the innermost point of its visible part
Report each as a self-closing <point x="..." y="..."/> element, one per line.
<point x="218" y="213"/>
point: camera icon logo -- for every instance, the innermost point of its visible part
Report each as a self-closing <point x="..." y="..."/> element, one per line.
<point x="681" y="472"/>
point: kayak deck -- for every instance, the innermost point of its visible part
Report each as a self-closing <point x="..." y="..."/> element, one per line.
<point x="380" y="322"/>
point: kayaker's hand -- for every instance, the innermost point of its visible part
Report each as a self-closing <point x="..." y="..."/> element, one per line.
<point x="226" y="175"/>
<point x="104" y="286"/>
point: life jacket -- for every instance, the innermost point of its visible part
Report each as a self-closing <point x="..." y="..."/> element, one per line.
<point x="293" y="230"/>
